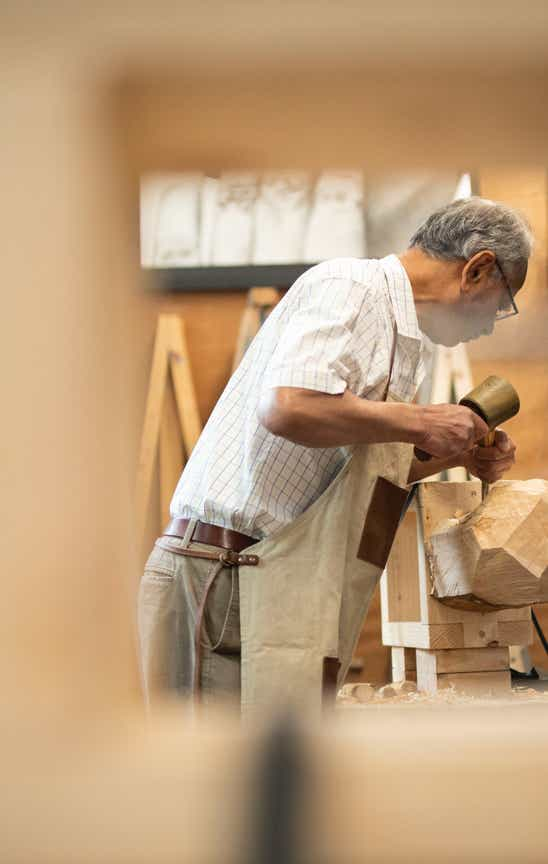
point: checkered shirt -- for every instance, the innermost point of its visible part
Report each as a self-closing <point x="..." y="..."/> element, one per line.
<point x="336" y="327"/>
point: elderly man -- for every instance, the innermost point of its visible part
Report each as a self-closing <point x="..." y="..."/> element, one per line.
<point x="285" y="512"/>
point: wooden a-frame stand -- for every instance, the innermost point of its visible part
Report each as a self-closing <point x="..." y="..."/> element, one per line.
<point x="172" y="422"/>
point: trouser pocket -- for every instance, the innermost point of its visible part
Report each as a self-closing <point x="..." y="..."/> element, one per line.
<point x="157" y="626"/>
<point x="222" y="613"/>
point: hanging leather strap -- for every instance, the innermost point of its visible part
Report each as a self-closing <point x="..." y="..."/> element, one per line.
<point x="224" y="558"/>
<point x="227" y="557"/>
<point x="197" y="680"/>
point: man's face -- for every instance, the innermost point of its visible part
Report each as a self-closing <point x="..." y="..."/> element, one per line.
<point x="466" y="319"/>
<point x="468" y="304"/>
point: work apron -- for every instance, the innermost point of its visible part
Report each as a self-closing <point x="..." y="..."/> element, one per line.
<point x="302" y="607"/>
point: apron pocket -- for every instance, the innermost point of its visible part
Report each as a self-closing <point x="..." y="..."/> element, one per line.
<point x="381" y="522"/>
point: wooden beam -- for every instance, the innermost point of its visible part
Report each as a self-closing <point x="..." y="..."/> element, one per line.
<point x="151" y="426"/>
<point x="468" y="683"/>
<point x="168" y="421"/>
<point x="403" y="598"/>
<point x="416" y="635"/>
<point x="185" y="395"/>
<point x="171" y="453"/>
<point x="463" y="660"/>
<point x="515" y="632"/>
<point x="404" y="665"/>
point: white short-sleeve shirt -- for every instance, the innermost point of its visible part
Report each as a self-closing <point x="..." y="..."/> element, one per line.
<point x="338" y="326"/>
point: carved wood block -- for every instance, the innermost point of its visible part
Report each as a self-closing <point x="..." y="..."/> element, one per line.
<point x="497" y="555"/>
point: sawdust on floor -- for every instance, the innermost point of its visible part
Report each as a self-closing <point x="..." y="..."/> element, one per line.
<point x="520" y="694"/>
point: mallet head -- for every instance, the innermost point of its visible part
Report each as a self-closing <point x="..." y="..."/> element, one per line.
<point x="495" y="400"/>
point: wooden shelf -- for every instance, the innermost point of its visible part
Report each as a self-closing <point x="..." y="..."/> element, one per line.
<point x="234" y="278"/>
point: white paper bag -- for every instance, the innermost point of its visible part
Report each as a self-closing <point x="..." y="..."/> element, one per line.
<point x="281" y="215"/>
<point x="170" y="230"/>
<point x="336" y="227"/>
<point x="233" y="233"/>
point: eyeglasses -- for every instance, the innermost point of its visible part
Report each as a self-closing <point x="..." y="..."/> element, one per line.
<point x="507" y="306"/>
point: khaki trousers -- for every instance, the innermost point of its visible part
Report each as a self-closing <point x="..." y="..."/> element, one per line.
<point x="171" y="590"/>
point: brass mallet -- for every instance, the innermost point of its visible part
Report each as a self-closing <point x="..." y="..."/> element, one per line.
<point x="495" y="401"/>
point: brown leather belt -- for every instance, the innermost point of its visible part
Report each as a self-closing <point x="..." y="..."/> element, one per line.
<point x="213" y="535"/>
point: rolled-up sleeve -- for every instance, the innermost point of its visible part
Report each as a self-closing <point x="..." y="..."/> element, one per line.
<point x="317" y="349"/>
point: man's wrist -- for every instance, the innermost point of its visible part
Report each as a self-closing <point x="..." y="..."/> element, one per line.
<point x="411" y="425"/>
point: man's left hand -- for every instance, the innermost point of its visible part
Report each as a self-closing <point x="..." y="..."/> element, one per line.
<point x="491" y="463"/>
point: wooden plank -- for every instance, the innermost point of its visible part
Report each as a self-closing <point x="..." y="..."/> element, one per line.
<point x="151" y="425"/>
<point x="404" y="665"/>
<point x="515" y="633"/>
<point x="491" y="674"/>
<point x="480" y="631"/>
<point x="427" y="672"/>
<point x="494" y="628"/>
<point x="416" y="635"/>
<point x="171" y="453"/>
<point x="185" y="395"/>
<point x="520" y="613"/>
<point x="477" y="683"/>
<point x="466" y="659"/>
<point x="403" y="598"/>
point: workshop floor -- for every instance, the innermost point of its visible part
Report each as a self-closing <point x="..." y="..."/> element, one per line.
<point x="522" y="693"/>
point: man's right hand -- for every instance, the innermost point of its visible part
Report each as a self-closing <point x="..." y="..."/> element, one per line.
<point x="449" y="430"/>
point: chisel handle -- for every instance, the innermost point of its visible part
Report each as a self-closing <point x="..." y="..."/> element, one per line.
<point x="488" y="441"/>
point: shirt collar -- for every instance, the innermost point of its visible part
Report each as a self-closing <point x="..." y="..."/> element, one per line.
<point x="401" y="297"/>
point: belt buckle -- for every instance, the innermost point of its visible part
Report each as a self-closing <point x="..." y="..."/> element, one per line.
<point x="230" y="558"/>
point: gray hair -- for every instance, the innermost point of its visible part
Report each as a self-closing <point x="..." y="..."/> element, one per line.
<point x="470" y="225"/>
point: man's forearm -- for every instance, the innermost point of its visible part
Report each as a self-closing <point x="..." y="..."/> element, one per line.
<point x="419" y="470"/>
<point x="316" y="419"/>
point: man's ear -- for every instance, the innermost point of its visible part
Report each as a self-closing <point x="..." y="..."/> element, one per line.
<point x="476" y="270"/>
